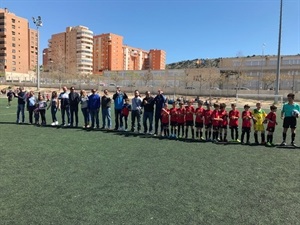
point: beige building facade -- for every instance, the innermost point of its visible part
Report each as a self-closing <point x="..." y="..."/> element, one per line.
<point x="259" y="72"/>
<point x="70" y="53"/>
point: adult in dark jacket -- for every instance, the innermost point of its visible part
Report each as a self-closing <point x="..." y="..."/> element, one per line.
<point x="94" y="107"/>
<point x="118" y="98"/>
<point x="21" y="95"/>
<point x="148" y="104"/>
<point x="74" y="100"/>
<point x="159" y="101"/>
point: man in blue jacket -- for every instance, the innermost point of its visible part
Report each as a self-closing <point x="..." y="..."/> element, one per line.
<point x="94" y="107"/>
<point x="118" y="98"/>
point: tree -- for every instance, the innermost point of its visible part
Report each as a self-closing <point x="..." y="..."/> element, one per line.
<point x="268" y="80"/>
<point x="147" y="77"/>
<point x="115" y="77"/>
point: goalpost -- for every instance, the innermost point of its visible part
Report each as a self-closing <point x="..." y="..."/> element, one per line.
<point x="242" y="98"/>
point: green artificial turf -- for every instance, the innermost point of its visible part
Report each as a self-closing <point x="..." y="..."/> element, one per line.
<point x="73" y="176"/>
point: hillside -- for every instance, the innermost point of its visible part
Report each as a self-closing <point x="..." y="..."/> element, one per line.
<point x="194" y="63"/>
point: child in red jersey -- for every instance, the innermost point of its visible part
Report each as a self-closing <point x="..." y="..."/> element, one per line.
<point x="199" y="121"/>
<point x="165" y="114"/>
<point x="189" y="118"/>
<point x="271" y="120"/>
<point x="215" y="118"/>
<point x="125" y="112"/>
<point x="173" y="118"/>
<point x="246" y="125"/>
<point x="234" y="116"/>
<point x="207" y="121"/>
<point x="223" y="122"/>
<point x="180" y="119"/>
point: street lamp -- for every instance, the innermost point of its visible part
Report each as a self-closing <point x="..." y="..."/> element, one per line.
<point x="38" y="23"/>
<point x="278" y="55"/>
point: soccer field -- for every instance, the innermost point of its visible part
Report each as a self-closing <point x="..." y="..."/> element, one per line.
<point x="73" y="176"/>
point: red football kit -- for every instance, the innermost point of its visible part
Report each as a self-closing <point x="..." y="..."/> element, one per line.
<point x="272" y="119"/>
<point x="224" y="115"/>
<point x="165" y="116"/>
<point x="199" y="115"/>
<point x="207" y="116"/>
<point x="173" y="114"/>
<point x="215" y="118"/>
<point x="234" y="122"/>
<point x="189" y="113"/>
<point x="246" y="116"/>
<point x="181" y="115"/>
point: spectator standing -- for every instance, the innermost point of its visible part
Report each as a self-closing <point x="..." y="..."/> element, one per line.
<point x="10" y="96"/>
<point x="136" y="111"/>
<point x="148" y="105"/>
<point x="84" y="101"/>
<point x="21" y="95"/>
<point x="106" y="110"/>
<point x="42" y="106"/>
<point x="118" y="98"/>
<point x="94" y="107"/>
<point x="74" y="99"/>
<point x="159" y="101"/>
<point x="64" y="106"/>
<point x="289" y="121"/>
<point x="54" y="106"/>
<point x="31" y="105"/>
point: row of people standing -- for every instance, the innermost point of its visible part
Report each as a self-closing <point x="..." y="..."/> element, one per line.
<point x="70" y="102"/>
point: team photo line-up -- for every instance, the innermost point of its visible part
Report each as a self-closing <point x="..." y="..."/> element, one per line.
<point x="204" y="122"/>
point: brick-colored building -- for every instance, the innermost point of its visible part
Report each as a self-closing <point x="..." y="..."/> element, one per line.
<point x="157" y="59"/>
<point x="18" y="47"/>
<point x="110" y="54"/>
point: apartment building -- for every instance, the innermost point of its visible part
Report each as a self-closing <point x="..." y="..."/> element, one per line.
<point x="18" y="47"/>
<point x="70" y="52"/>
<point x="110" y="54"/>
<point x="135" y="58"/>
<point x="157" y="59"/>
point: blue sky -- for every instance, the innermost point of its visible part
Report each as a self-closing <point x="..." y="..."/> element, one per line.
<point x="185" y="29"/>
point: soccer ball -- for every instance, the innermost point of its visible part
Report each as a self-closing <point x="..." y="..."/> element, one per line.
<point x="295" y="113"/>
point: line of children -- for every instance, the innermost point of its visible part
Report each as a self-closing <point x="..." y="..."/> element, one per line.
<point x="182" y="118"/>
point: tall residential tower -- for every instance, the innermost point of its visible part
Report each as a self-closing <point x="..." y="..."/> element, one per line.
<point x="18" y="47"/>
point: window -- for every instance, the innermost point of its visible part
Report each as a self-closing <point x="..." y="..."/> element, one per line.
<point x="14" y="62"/>
<point x="13" y="20"/>
<point x="13" y="33"/>
<point x="13" y="45"/>
<point x="13" y="51"/>
<point x="13" y="38"/>
<point x="13" y="27"/>
<point x="13" y="57"/>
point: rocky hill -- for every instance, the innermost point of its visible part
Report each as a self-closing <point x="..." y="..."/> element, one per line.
<point x="194" y="63"/>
